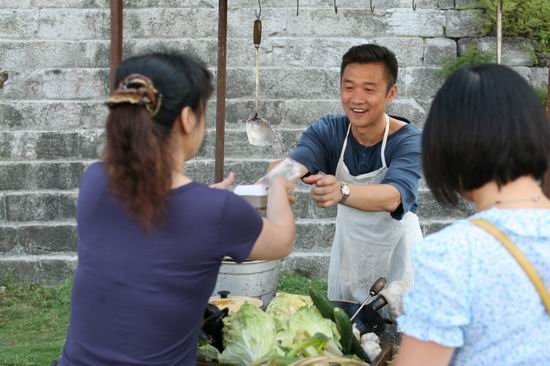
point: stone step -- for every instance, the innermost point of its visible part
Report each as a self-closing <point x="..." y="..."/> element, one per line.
<point x="94" y="23"/>
<point x="74" y="116"/>
<point x="310" y="83"/>
<point x="45" y="254"/>
<point x="24" y="206"/>
<point x="44" y="238"/>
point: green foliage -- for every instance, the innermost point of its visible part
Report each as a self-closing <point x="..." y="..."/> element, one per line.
<point x="471" y="56"/>
<point x="33" y="322"/>
<point x="542" y="93"/>
<point x="295" y="283"/>
<point x="522" y="18"/>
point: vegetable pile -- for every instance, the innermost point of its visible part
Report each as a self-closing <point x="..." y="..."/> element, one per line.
<point x="292" y="328"/>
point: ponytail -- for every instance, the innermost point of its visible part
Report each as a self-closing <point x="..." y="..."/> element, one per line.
<point x="143" y="110"/>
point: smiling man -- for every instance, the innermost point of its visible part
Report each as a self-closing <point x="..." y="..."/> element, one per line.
<point x="369" y="164"/>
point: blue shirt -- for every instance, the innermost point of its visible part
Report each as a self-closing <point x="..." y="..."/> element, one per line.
<point x="138" y="297"/>
<point x="470" y="293"/>
<point x="321" y="143"/>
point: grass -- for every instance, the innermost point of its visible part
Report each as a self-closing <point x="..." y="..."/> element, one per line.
<point x="33" y="320"/>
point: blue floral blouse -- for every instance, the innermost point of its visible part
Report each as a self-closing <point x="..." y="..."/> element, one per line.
<point x="470" y="294"/>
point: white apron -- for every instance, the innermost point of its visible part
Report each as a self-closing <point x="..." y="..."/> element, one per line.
<point x="368" y="245"/>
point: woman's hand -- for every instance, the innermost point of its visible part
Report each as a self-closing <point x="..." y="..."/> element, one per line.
<point x="287" y="185"/>
<point x="224" y="184"/>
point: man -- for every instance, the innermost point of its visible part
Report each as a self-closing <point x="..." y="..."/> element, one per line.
<point x="372" y="166"/>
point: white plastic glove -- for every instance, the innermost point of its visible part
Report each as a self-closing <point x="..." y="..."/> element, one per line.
<point x="394" y="293"/>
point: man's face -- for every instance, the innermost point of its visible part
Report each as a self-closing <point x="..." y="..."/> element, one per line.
<point x="364" y="93"/>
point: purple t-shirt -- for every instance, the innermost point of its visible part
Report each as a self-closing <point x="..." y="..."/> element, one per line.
<point x="138" y="297"/>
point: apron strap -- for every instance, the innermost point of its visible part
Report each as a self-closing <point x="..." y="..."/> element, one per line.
<point x="384" y="140"/>
<point x="520" y="258"/>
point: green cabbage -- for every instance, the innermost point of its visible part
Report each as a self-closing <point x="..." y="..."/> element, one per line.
<point x="283" y="306"/>
<point x="249" y="335"/>
<point x="305" y="324"/>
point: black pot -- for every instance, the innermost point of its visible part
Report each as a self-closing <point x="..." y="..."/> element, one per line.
<point x="368" y="320"/>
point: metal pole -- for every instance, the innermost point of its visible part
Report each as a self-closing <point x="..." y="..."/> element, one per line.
<point x="499" y="32"/>
<point x="116" y="39"/>
<point x="220" y="89"/>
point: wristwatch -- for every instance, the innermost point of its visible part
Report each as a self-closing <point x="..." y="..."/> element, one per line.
<point x="344" y="189"/>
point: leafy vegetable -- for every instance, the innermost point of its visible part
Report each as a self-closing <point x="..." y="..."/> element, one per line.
<point x="283" y="306"/>
<point x="249" y="335"/>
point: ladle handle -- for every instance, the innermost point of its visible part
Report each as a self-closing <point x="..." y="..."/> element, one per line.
<point x="377" y="286"/>
<point x="257" y="32"/>
<point x="378" y="303"/>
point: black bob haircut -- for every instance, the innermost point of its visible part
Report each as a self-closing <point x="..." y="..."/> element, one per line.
<point x="369" y="54"/>
<point x="485" y="124"/>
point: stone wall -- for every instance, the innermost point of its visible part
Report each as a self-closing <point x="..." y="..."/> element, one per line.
<point x="56" y="55"/>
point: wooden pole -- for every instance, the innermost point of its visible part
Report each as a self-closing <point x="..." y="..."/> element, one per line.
<point x="116" y="39"/>
<point x="220" y="89"/>
<point x="499" y="32"/>
<point x="546" y="180"/>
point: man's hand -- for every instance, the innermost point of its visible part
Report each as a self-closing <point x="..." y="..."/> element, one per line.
<point x="224" y="184"/>
<point x="394" y="293"/>
<point x="325" y="191"/>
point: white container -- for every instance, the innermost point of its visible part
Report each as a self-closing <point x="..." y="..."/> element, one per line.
<point x="251" y="278"/>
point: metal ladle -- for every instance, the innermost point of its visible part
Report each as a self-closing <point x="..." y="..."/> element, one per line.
<point x="258" y="130"/>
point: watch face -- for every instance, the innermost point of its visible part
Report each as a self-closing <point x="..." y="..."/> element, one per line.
<point x="345" y="189"/>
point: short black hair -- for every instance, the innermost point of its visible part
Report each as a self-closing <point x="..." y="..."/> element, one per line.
<point x="485" y="124"/>
<point x="371" y="53"/>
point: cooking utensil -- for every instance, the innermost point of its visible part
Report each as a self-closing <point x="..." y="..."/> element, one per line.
<point x="258" y="130"/>
<point x="368" y="320"/>
<point x="377" y="286"/>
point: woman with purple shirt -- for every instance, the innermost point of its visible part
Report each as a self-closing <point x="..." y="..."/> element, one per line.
<point x="151" y="240"/>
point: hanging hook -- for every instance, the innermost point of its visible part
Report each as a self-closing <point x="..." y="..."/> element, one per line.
<point x="260" y="6"/>
<point x="414" y="5"/>
<point x="371" y="7"/>
<point x="335" y="7"/>
<point x="297" y="7"/>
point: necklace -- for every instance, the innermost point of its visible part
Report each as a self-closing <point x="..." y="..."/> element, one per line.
<point x="505" y="202"/>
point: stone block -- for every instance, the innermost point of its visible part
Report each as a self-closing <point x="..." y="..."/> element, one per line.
<point x="32" y="207"/>
<point x="280" y="83"/>
<point x="12" y="4"/>
<point x="171" y="4"/>
<point x="40" y="206"/>
<point x="184" y="23"/>
<point x="247" y="171"/>
<point x="79" y="24"/>
<point x="2" y="208"/>
<point x="422" y="82"/>
<point x="524" y="71"/>
<point x="90" y="143"/>
<point x="432" y="226"/>
<point x="18" y="23"/>
<point x="419" y="23"/>
<point x="311" y="22"/>
<point x="58" y="84"/>
<point x="439" y="50"/>
<point x="314" y="235"/>
<point x="56" y="145"/>
<point x="13" y="55"/>
<point x="43" y="271"/>
<point x="8" y="239"/>
<point x="308" y="264"/>
<point x="301" y="113"/>
<point x="409" y="109"/>
<point x="464" y="23"/>
<point x="71" y="4"/>
<point x="515" y="51"/>
<point x="429" y="208"/>
<point x="51" y="115"/>
<point x="206" y="49"/>
<point x="15" y="176"/>
<point x="539" y="76"/>
<point x="58" y="175"/>
<point x="408" y="50"/>
<point x="57" y="238"/>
